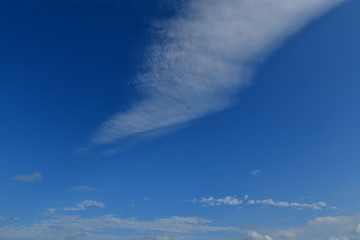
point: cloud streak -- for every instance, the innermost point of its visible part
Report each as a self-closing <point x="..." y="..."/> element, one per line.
<point x="81" y="206"/>
<point x="202" y="57"/>
<point x="29" y="178"/>
<point x="75" y="227"/>
<point x="234" y="201"/>
<point x="271" y="202"/>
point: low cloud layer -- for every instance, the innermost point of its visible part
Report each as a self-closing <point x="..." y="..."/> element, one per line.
<point x="75" y="227"/>
<point x="202" y="57"/>
<point x="110" y="227"/>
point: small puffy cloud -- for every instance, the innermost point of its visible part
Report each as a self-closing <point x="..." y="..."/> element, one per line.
<point x="81" y="206"/>
<point x="211" y="201"/>
<point x="338" y="238"/>
<point x="255" y="173"/>
<point x="257" y="236"/>
<point x="29" y="178"/>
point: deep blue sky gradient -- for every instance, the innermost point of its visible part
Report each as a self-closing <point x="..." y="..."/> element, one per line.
<point x="66" y="66"/>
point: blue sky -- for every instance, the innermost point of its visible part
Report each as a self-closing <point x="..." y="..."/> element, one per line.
<point x="172" y="120"/>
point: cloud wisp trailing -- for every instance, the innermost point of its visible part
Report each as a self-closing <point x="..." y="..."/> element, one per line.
<point x="81" y="206"/>
<point x="29" y="178"/>
<point x="202" y="57"/>
<point x="234" y="201"/>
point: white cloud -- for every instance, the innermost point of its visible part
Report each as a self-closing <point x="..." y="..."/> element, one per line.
<point x="84" y="204"/>
<point x="271" y="202"/>
<point x="330" y="227"/>
<point x="210" y="201"/>
<point x="172" y="228"/>
<point x="2" y="218"/>
<point x="255" y="173"/>
<point x="338" y="238"/>
<point x="357" y="230"/>
<point x="329" y="220"/>
<point x="50" y="211"/>
<point x="287" y="235"/>
<point x="234" y="201"/>
<point x="75" y="227"/>
<point x="29" y="178"/>
<point x="257" y="236"/>
<point x="202" y="57"/>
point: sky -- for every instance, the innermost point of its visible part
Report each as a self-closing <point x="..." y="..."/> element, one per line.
<point x="180" y="119"/>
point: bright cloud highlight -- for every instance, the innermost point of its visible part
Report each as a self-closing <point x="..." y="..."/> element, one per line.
<point x="81" y="206"/>
<point x="234" y="201"/>
<point x="202" y="57"/>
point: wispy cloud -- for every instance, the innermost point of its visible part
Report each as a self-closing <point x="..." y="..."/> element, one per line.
<point x="70" y="227"/>
<point x="2" y="218"/>
<point x="257" y="236"/>
<point x="271" y="202"/>
<point x="211" y="201"/>
<point x="81" y="206"/>
<point x="201" y="57"/>
<point x="321" y="221"/>
<point x="110" y="227"/>
<point x="29" y="178"/>
<point x="234" y="201"/>
<point x="255" y="173"/>
<point x="49" y="211"/>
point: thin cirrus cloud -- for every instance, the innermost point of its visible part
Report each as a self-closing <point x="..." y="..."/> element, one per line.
<point x="255" y="173"/>
<point x="271" y="202"/>
<point x="29" y="178"/>
<point x="95" y="228"/>
<point x="202" y="57"/>
<point x="234" y="201"/>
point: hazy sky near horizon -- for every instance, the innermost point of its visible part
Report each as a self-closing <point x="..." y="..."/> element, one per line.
<point x="179" y="119"/>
